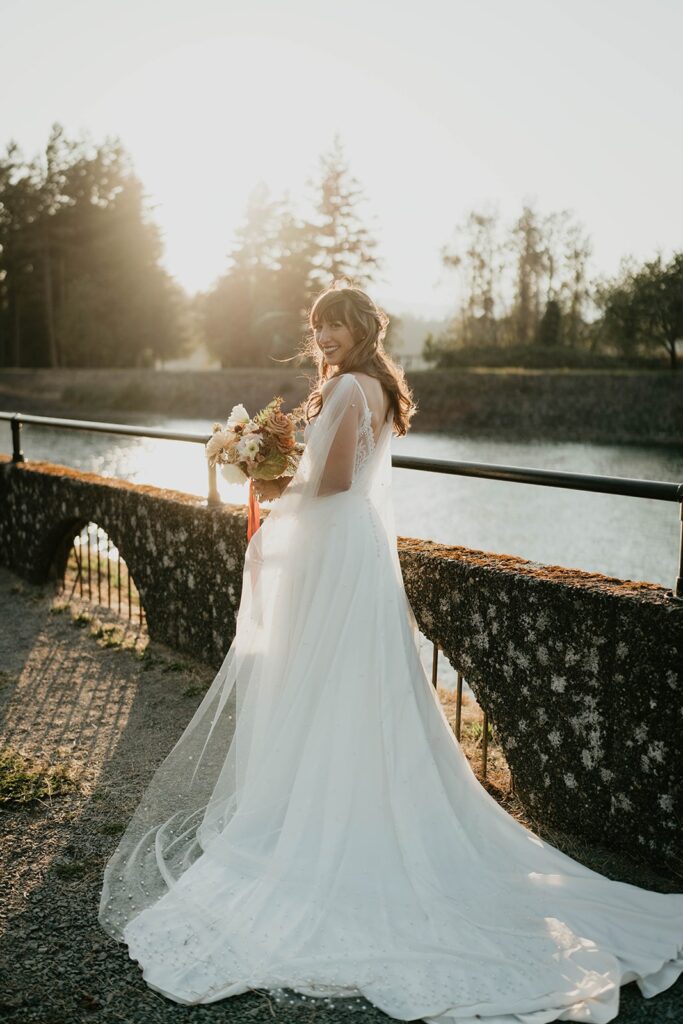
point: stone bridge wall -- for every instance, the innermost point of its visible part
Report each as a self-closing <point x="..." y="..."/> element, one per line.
<point x="581" y="673"/>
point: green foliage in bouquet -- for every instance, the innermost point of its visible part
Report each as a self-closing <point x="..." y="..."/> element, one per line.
<point x="273" y="466"/>
<point x="276" y="462"/>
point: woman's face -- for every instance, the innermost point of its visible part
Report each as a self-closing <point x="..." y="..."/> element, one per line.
<point x="334" y="340"/>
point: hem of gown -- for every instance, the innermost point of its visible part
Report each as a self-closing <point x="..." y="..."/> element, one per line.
<point x="236" y="988"/>
<point x="592" y="1010"/>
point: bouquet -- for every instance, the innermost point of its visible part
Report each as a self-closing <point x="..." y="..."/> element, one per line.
<point x="263" y="447"/>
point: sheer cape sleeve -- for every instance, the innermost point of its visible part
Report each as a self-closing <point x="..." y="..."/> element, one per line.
<point x="327" y="464"/>
<point x="337" y="472"/>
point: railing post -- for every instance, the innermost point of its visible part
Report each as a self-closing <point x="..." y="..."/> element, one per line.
<point x="17" y="454"/>
<point x="458" y="704"/>
<point x="214" y="497"/>
<point x="678" y="589"/>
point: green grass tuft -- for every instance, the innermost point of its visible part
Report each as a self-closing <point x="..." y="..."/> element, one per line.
<point x="25" y="779"/>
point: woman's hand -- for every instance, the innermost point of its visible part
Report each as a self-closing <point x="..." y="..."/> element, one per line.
<point x="267" y="490"/>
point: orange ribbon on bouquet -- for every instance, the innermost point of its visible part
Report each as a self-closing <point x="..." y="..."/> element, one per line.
<point x="254" y="518"/>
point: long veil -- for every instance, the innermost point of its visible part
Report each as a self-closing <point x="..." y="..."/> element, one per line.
<point x="201" y="784"/>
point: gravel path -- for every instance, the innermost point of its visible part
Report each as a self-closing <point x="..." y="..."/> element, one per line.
<point x="95" y="694"/>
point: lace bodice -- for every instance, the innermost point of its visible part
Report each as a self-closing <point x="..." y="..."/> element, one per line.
<point x="366" y="440"/>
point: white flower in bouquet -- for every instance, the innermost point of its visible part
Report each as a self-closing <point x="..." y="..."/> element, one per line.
<point x="232" y="473"/>
<point x="248" y="446"/>
<point x="219" y="440"/>
<point x="238" y="416"/>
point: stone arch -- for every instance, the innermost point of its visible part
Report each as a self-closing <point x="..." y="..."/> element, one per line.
<point x="53" y="550"/>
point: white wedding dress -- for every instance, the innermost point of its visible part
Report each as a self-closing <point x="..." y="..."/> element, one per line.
<point x="317" y="830"/>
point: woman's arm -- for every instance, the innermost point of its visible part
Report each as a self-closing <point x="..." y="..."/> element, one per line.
<point x="339" y="466"/>
<point x="330" y="462"/>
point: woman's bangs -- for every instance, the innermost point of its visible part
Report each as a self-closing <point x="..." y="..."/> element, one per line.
<point x="329" y="310"/>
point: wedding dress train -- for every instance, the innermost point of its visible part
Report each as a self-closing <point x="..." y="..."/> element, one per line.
<point x="317" y="827"/>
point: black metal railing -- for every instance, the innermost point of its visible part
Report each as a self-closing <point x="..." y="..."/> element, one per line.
<point x="628" y="487"/>
<point x="659" y="490"/>
<point x="486" y="720"/>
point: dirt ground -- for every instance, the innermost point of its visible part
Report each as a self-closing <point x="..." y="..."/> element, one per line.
<point x="90" y="705"/>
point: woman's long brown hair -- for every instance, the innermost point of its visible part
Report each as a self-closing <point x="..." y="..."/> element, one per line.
<point x="368" y="324"/>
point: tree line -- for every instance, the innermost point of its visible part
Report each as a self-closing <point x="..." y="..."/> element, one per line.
<point x="82" y="281"/>
<point x="81" y="278"/>
<point x="525" y="285"/>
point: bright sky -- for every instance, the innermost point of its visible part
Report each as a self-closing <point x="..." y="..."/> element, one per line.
<point x="442" y="106"/>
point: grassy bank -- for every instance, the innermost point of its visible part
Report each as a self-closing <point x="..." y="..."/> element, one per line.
<point x="606" y="406"/>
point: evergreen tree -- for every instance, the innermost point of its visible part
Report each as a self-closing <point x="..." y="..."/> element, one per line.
<point x="237" y="320"/>
<point x="82" y="283"/>
<point x="20" y="292"/>
<point x="344" y="246"/>
<point x="550" y="325"/>
<point x="294" y="287"/>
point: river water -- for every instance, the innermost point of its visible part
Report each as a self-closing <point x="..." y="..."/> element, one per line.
<point x="630" y="538"/>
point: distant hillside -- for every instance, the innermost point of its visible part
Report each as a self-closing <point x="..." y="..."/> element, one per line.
<point x="628" y="407"/>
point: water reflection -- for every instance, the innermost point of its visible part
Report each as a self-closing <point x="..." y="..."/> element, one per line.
<point x="630" y="538"/>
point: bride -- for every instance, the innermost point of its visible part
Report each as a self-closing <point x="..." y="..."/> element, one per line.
<point x="317" y="832"/>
